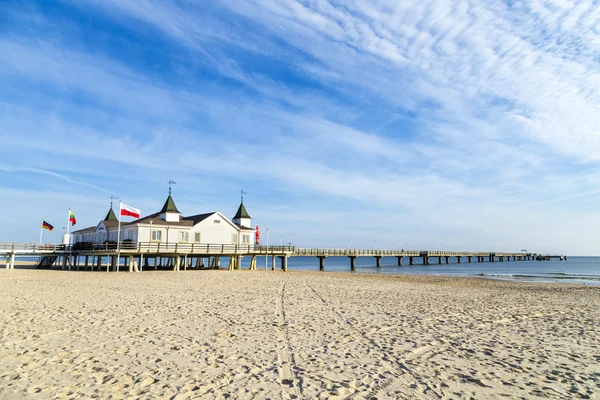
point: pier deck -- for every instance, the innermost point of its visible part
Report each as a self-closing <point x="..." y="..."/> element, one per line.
<point x="183" y="255"/>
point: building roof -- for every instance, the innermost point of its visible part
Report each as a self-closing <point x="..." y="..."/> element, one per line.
<point x="156" y="220"/>
<point x="169" y="206"/>
<point x="111" y="224"/>
<point x="241" y="212"/>
<point x="110" y="216"/>
<point x="84" y="230"/>
<point x="199" y="218"/>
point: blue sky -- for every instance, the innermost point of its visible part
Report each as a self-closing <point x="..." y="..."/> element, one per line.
<point x="446" y="125"/>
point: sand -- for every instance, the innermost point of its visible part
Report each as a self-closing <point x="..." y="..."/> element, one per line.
<point x="256" y="334"/>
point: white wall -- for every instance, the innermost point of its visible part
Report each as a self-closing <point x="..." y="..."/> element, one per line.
<point x="215" y="233"/>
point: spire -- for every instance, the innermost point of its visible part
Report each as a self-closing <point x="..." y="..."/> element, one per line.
<point x="241" y="212"/>
<point x="169" y="206"/>
<point x="110" y="216"/>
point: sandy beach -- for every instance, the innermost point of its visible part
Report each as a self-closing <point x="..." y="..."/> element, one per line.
<point x="255" y="334"/>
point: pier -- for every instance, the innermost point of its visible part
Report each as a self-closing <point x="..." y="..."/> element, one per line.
<point x="136" y="257"/>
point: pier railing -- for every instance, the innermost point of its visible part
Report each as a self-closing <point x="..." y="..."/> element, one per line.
<point x="231" y="249"/>
<point x="144" y="247"/>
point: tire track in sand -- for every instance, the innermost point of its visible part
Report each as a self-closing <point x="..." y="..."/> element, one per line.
<point x="398" y="372"/>
<point x="291" y="387"/>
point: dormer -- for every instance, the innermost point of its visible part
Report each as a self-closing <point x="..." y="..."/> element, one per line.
<point x="242" y="218"/>
<point x="169" y="212"/>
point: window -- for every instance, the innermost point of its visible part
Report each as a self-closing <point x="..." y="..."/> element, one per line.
<point x="184" y="237"/>
<point x="234" y="238"/>
<point x="129" y="234"/>
<point x="246" y="239"/>
<point x="217" y="221"/>
<point x="156" y="236"/>
<point x="197" y="237"/>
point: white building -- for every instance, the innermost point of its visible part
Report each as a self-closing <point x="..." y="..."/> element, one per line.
<point x="169" y="226"/>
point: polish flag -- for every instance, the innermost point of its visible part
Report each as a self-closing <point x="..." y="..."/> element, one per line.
<point x="129" y="211"/>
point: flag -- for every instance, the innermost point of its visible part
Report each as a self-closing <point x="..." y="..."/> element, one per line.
<point x="46" y="225"/>
<point x="257" y="235"/>
<point x="72" y="217"/>
<point x="129" y="211"/>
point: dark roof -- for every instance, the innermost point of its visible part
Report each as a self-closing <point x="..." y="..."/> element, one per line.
<point x="85" y="230"/>
<point x="241" y="212"/>
<point x="169" y="206"/>
<point x="199" y="218"/>
<point x="110" y="216"/>
<point x="156" y="220"/>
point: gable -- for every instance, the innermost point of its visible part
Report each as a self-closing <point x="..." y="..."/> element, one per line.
<point x="208" y="222"/>
<point x="100" y="227"/>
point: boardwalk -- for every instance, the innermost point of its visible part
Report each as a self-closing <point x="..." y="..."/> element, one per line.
<point x="137" y="256"/>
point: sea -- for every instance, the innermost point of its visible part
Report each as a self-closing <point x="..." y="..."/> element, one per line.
<point x="574" y="270"/>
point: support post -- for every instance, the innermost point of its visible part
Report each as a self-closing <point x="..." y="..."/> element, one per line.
<point x="253" y="263"/>
<point x="469" y="258"/>
<point x="458" y="259"/>
<point x="321" y="263"/>
<point x="439" y="259"/>
<point x="283" y="263"/>
<point x="447" y="259"/>
<point x="425" y="260"/>
<point x="399" y="260"/>
<point x="176" y="265"/>
<point x="352" y="263"/>
<point x="410" y="261"/>
<point x="378" y="261"/>
<point x="273" y="263"/>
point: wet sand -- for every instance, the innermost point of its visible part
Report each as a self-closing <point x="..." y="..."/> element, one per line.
<point x="255" y="334"/>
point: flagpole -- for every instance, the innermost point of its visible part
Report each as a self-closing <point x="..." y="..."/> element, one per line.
<point x="41" y="231"/>
<point x="119" y="238"/>
<point x="267" y="254"/>
<point x="68" y="221"/>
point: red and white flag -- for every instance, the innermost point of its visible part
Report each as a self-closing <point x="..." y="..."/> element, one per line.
<point x="129" y="211"/>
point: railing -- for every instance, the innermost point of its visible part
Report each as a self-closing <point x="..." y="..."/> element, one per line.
<point x="398" y="253"/>
<point x="181" y="248"/>
<point x="195" y="248"/>
<point x="33" y="247"/>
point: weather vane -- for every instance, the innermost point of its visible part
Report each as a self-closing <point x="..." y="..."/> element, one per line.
<point x="171" y="182"/>
<point x="243" y="193"/>
<point x="111" y="200"/>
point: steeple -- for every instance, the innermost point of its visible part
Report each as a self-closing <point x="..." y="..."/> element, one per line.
<point x="241" y="212"/>
<point x="242" y="218"/>
<point x="110" y="216"/>
<point x="169" y="206"/>
<point x="169" y="212"/>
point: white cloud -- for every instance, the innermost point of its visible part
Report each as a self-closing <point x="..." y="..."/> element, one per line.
<point x="502" y="106"/>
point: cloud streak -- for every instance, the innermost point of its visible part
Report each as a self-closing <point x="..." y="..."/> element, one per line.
<point x="441" y="114"/>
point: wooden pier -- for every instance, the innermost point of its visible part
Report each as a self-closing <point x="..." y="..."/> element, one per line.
<point x="136" y="257"/>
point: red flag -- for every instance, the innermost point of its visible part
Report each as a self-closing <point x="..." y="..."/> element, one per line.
<point x="129" y="211"/>
<point x="257" y="235"/>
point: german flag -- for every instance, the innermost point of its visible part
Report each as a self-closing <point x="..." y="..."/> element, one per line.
<point x="46" y="225"/>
